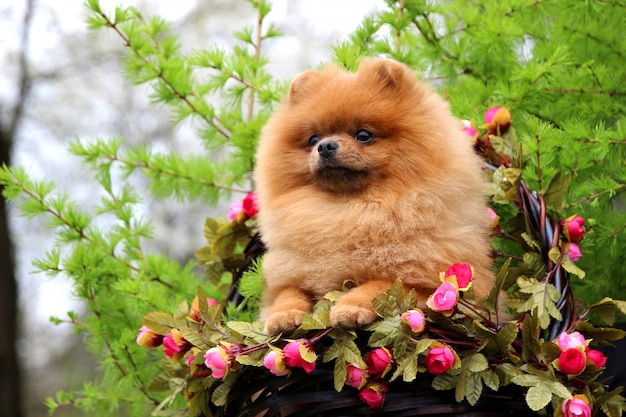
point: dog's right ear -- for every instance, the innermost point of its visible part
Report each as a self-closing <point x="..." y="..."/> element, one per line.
<point x="298" y="87"/>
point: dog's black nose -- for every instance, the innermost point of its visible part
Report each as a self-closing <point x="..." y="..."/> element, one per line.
<point x="327" y="148"/>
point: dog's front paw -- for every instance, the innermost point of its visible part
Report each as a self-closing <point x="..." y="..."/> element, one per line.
<point x="283" y="321"/>
<point x="352" y="316"/>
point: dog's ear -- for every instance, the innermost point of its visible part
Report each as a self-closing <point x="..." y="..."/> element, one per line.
<point x="298" y="87"/>
<point x="389" y="72"/>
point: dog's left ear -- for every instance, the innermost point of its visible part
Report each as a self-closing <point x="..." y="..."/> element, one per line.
<point x="298" y="86"/>
<point x="389" y="72"/>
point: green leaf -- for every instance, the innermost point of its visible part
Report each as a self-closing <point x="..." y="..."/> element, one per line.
<point x="158" y="322"/>
<point x="445" y="381"/>
<point x="220" y="394"/>
<point x="340" y="374"/>
<point x="476" y="363"/>
<point x="474" y="388"/>
<point x="538" y="397"/>
<point x="254" y="330"/>
<point x="491" y="379"/>
<point x="557" y="190"/>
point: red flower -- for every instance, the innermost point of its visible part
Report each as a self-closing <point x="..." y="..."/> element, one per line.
<point x="444" y="298"/>
<point x="463" y="274"/>
<point x="374" y="393"/>
<point x="413" y="320"/>
<point x="194" y="311"/>
<point x="300" y="354"/>
<point x="148" y="339"/>
<point x="495" y="221"/>
<point x="440" y="359"/>
<point x="250" y="205"/>
<point x="199" y="370"/>
<point x="175" y="345"/>
<point x="573" y="251"/>
<point x="578" y="406"/>
<point x="497" y="116"/>
<point x="219" y="359"/>
<point x="597" y="357"/>
<point x="571" y="361"/>
<point x="356" y="376"/>
<point x="573" y="228"/>
<point x="275" y="362"/>
<point x="379" y="361"/>
<point x="470" y="130"/>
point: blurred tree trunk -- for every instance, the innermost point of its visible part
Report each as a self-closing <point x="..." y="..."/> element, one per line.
<point x="10" y="376"/>
<point x="10" y="381"/>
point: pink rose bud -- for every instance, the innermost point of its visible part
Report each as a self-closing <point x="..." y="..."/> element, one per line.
<point x="414" y="320"/>
<point x="578" y="406"/>
<point x="573" y="228"/>
<point x="597" y="357"/>
<point x="148" y="339"/>
<point x="379" y="361"/>
<point x="275" y="362"/>
<point x="194" y="311"/>
<point x="444" y="298"/>
<point x="235" y="209"/>
<point x="572" y="361"/>
<point x="439" y="359"/>
<point x="356" y="376"/>
<point x="571" y="340"/>
<point x="470" y="130"/>
<point x="462" y="273"/>
<point x="250" y="205"/>
<point x="495" y="221"/>
<point x="300" y="354"/>
<point x="374" y="393"/>
<point x="497" y="116"/>
<point x="218" y="359"/>
<point x="196" y="369"/>
<point x="573" y="251"/>
<point x="175" y="345"/>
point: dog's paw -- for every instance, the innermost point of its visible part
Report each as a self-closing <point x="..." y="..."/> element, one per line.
<point x="283" y="321"/>
<point x="351" y="316"/>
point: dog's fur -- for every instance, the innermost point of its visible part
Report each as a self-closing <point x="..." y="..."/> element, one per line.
<point x="407" y="205"/>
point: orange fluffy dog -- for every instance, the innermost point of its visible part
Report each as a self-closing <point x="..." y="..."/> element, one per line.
<point x="365" y="177"/>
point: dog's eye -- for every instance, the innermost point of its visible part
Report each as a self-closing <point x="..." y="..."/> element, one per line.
<point x="363" y="136"/>
<point x="314" y="139"/>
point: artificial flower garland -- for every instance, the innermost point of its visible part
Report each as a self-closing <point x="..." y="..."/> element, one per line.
<point x="457" y="341"/>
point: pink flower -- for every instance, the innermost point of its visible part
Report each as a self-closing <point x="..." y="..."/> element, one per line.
<point x="497" y="116"/>
<point x="571" y="361"/>
<point x="573" y="228"/>
<point x="300" y="354"/>
<point x="571" y="340"/>
<point x="573" y="251"/>
<point x="250" y="205"/>
<point x="218" y="359"/>
<point x="578" y="406"/>
<point x="356" y="376"/>
<point x="470" y="130"/>
<point x="235" y="209"/>
<point x="460" y="274"/>
<point x="379" y="361"/>
<point x="440" y="359"/>
<point x="597" y="357"/>
<point x="199" y="370"/>
<point x="495" y="221"/>
<point x="148" y="339"/>
<point x="175" y="345"/>
<point x="374" y="393"/>
<point x="275" y="362"/>
<point x="444" y="298"/>
<point x="414" y="320"/>
<point x="194" y="311"/>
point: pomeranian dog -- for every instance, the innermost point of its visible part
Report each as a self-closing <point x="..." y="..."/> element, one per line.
<point x="366" y="177"/>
